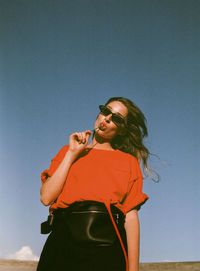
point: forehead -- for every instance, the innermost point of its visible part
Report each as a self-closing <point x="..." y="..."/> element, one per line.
<point x="118" y="107"/>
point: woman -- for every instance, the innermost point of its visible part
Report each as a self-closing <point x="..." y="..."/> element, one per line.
<point x="106" y="174"/>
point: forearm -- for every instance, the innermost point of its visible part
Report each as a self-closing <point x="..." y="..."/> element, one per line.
<point x="133" y="239"/>
<point x="52" y="188"/>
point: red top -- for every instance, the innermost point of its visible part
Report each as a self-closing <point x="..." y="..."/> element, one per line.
<point x="101" y="175"/>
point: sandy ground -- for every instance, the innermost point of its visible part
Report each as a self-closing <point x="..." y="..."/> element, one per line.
<point x="171" y="266"/>
<point x="11" y="265"/>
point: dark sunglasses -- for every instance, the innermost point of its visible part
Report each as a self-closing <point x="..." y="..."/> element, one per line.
<point x="104" y="110"/>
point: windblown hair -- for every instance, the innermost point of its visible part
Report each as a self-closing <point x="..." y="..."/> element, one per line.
<point x="132" y="140"/>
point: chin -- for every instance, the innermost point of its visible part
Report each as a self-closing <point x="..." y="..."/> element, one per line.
<point x="104" y="136"/>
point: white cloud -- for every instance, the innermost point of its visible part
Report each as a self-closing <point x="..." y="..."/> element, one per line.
<point x="24" y="254"/>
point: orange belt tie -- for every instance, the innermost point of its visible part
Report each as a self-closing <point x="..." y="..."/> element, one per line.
<point x="107" y="204"/>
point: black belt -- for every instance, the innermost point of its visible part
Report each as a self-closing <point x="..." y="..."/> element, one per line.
<point x="89" y="206"/>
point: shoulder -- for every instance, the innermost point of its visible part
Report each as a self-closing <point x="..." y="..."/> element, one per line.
<point x="127" y="156"/>
<point x="60" y="155"/>
<point x="126" y="160"/>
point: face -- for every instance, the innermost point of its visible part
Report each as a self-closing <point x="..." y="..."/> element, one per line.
<point x="108" y="129"/>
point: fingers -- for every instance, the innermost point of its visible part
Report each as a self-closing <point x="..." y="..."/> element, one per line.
<point x="79" y="137"/>
<point x="88" y="134"/>
<point x="82" y="137"/>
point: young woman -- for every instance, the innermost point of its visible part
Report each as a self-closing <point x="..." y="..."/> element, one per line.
<point x="95" y="182"/>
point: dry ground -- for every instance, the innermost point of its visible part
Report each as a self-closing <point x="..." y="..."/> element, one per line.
<point x="11" y="265"/>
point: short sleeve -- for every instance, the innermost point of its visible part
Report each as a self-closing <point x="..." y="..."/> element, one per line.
<point x="55" y="162"/>
<point x="134" y="197"/>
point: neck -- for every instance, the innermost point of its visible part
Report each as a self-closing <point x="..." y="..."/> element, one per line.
<point x="100" y="143"/>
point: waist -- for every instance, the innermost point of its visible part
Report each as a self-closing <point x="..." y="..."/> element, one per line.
<point x="90" y="207"/>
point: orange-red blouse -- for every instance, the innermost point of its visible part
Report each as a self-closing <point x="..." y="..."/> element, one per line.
<point x="101" y="175"/>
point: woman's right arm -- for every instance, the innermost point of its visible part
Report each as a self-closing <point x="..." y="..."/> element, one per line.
<point x="53" y="186"/>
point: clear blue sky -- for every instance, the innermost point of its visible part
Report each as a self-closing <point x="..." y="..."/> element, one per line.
<point x="58" y="61"/>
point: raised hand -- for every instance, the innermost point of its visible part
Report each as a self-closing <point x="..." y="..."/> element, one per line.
<point x="78" y="141"/>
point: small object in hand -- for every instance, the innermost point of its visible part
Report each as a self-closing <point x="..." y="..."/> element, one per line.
<point x="94" y="129"/>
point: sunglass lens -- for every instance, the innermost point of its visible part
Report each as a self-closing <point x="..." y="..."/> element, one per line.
<point x="117" y="119"/>
<point x="106" y="111"/>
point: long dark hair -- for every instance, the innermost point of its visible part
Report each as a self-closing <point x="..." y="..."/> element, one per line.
<point x="134" y="133"/>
